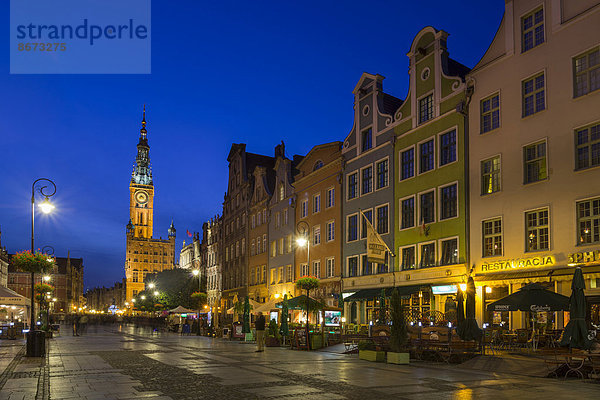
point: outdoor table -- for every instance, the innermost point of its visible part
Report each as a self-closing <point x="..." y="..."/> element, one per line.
<point x="510" y="339"/>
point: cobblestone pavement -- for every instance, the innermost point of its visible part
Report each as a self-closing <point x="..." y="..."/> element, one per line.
<point x="124" y="363"/>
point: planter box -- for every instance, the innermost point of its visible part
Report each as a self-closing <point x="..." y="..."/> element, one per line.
<point x="316" y="342"/>
<point x="398" y="358"/>
<point x="371" y="355"/>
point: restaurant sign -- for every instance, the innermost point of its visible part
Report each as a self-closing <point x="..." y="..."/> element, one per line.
<point x="518" y="263"/>
<point x="585" y="257"/>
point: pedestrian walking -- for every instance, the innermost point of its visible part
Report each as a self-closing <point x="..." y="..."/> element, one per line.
<point x="260" y="332"/>
<point x="75" y="325"/>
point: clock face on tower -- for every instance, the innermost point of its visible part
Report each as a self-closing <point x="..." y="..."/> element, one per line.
<point x="141" y="197"/>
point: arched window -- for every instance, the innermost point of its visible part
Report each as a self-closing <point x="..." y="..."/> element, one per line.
<point x="318" y="165"/>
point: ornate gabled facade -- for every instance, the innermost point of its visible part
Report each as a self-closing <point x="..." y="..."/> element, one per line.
<point x="144" y="254"/>
<point x="369" y="189"/>
<point x="236" y="207"/>
<point x="431" y="186"/>
<point x="263" y="177"/>
<point x="282" y="226"/>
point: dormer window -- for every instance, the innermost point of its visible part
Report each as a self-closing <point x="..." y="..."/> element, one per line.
<point x="318" y="165"/>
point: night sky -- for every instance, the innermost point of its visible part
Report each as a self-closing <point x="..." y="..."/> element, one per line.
<point x="244" y="71"/>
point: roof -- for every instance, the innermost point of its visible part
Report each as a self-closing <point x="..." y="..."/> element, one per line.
<point x="454" y="68"/>
<point x="389" y="104"/>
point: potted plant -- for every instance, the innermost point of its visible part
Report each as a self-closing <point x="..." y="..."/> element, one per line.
<point x="368" y="352"/>
<point x="307" y="283"/>
<point x="272" y="339"/>
<point x="399" y="336"/>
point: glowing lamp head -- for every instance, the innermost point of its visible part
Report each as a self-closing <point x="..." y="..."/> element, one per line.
<point x="195" y="272"/>
<point x="277" y="295"/>
<point x="205" y="307"/>
<point x="463" y="287"/>
<point x="46" y="206"/>
<point x="156" y="293"/>
<point x="301" y="242"/>
<point x="151" y="285"/>
<point x="133" y="300"/>
<point x="46" y="278"/>
<point x="143" y="297"/>
<point x="488" y="289"/>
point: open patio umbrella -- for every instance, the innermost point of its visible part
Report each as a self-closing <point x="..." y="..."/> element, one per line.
<point x="471" y="330"/>
<point x="246" y="326"/>
<point x="460" y="314"/>
<point x="575" y="334"/>
<point x="284" y="329"/>
<point x="533" y="297"/>
<point x="299" y="303"/>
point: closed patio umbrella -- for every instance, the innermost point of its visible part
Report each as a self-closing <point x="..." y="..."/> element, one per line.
<point x="284" y="329"/>
<point x="460" y="314"/>
<point x="471" y="330"/>
<point x="246" y="326"/>
<point x="575" y="334"/>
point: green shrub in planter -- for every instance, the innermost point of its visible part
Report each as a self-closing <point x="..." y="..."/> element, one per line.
<point x="399" y="334"/>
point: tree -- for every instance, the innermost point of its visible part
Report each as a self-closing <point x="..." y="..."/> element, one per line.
<point x="198" y="300"/>
<point x="399" y="334"/>
<point x="43" y="292"/>
<point x="307" y="283"/>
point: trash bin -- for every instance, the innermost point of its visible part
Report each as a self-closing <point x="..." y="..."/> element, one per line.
<point x="36" y="344"/>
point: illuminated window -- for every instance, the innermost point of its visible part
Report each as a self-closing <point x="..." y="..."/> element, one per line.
<point x="427" y="255"/>
<point x="490" y="175"/>
<point x="449" y="252"/>
<point x="588" y="221"/>
<point x="536" y="230"/>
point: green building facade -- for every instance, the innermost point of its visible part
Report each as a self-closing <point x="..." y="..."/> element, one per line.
<point x="431" y="188"/>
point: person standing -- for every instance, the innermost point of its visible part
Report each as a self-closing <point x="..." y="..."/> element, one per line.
<point x="260" y="332"/>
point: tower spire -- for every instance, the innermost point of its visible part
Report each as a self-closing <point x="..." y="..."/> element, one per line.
<point x="142" y="173"/>
<point x="143" y="131"/>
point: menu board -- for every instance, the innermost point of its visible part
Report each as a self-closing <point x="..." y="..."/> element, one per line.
<point x="301" y="336"/>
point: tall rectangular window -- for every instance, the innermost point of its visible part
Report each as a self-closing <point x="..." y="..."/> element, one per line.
<point x="427" y="206"/>
<point x="317" y="269"/>
<point x="382" y="174"/>
<point x="532" y="29"/>
<point x="352" y="227"/>
<point x="407" y="164"/>
<point x="448" y="147"/>
<point x="427" y="255"/>
<point x="290" y="274"/>
<point x="352" y="185"/>
<point x="535" y="162"/>
<point x="426" y="156"/>
<point x="330" y="198"/>
<point x="490" y="175"/>
<point x="316" y="203"/>
<point x="281" y="245"/>
<point x="587" y="147"/>
<point x="382" y="220"/>
<point x="285" y="216"/>
<point x="533" y="95"/>
<point x="303" y="208"/>
<point x="586" y="71"/>
<point x="408" y="258"/>
<point x="425" y="108"/>
<point x="280" y="275"/>
<point x="317" y="235"/>
<point x="289" y="243"/>
<point x="492" y="237"/>
<point x="367" y="139"/>
<point x="330" y="231"/>
<point x="490" y="113"/>
<point x="330" y="267"/>
<point x="449" y="252"/>
<point x="264" y="274"/>
<point x="367" y="267"/>
<point x="277" y="220"/>
<point x="353" y="266"/>
<point x="536" y="230"/>
<point x="449" y="202"/>
<point x="588" y="221"/>
<point x="304" y="270"/>
<point x="367" y="180"/>
<point x="264" y="242"/>
<point x="367" y="215"/>
<point x="408" y="213"/>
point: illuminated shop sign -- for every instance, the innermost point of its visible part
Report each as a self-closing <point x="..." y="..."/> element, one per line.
<point x="585" y="257"/>
<point x="445" y="289"/>
<point x="517" y="263"/>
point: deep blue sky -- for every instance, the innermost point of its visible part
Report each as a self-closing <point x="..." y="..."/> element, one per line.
<point x="243" y="71"/>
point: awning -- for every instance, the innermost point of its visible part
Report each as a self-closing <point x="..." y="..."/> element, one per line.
<point x="9" y="297"/>
<point x="374" y="293"/>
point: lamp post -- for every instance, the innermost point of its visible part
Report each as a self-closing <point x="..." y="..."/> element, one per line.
<point x="46" y="208"/>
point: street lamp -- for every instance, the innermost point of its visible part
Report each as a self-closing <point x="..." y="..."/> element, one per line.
<point x="156" y="292"/>
<point x="303" y="239"/>
<point x="46" y="207"/>
<point x="196" y="272"/>
<point x="151" y="285"/>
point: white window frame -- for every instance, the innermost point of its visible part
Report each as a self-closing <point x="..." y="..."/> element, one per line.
<point x="439" y="147"/>
<point x="361" y="180"/>
<point x="415" y="212"/>
<point x="357" y="172"/>
<point x="317" y="202"/>
<point x="376" y="221"/>
<point x="501" y="235"/>
<point x="439" y="200"/>
<point x="418" y="206"/>
<point x="330" y="223"/>
<point x="360" y="219"/>
<point x="433" y="108"/>
<point x="415" y="162"/>
<point x="439" y="250"/>
<point x="401" y="260"/>
<point x="330" y="269"/>
<point x="330" y="190"/>
<point x="348" y="227"/>
<point x="304" y="208"/>
<point x="420" y="251"/>
<point x="376" y="178"/>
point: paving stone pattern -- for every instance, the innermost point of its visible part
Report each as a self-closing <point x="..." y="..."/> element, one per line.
<point x="118" y="362"/>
